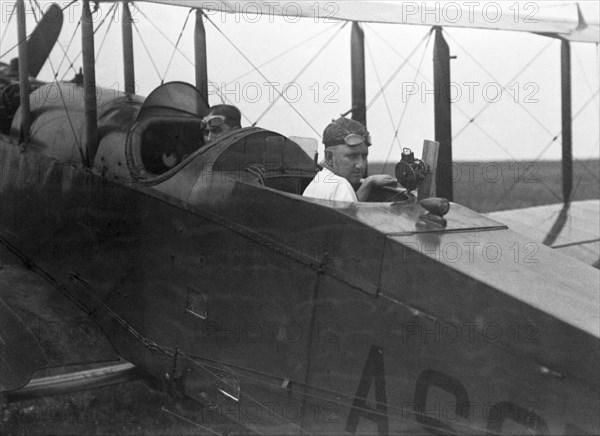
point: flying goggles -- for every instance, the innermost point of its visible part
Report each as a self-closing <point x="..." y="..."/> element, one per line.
<point x="352" y="140"/>
<point x="211" y="123"/>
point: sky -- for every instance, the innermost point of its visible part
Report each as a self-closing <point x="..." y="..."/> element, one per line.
<point x="509" y="82"/>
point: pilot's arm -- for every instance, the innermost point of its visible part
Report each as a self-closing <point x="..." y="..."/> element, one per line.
<point x="375" y="180"/>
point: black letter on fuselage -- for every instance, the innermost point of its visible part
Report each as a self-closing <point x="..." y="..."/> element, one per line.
<point x="428" y="378"/>
<point x="507" y="410"/>
<point x="373" y="370"/>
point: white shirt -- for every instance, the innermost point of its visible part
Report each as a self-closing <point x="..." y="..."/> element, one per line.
<point x="327" y="186"/>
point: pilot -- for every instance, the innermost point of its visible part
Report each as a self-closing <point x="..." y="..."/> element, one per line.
<point x="221" y="119"/>
<point x="346" y="149"/>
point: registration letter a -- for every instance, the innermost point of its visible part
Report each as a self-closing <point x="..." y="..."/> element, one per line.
<point x="373" y="370"/>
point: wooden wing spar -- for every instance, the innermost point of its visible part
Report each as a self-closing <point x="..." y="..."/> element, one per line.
<point x="565" y="21"/>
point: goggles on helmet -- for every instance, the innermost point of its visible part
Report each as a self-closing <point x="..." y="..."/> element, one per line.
<point x="352" y="140"/>
<point x="211" y="123"/>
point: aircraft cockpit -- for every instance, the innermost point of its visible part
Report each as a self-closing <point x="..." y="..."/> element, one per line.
<point x="165" y="145"/>
<point x="159" y="142"/>
<point x="167" y="139"/>
<point x="168" y="129"/>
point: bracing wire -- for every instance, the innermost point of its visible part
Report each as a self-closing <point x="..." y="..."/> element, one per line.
<point x="64" y="103"/>
<point x="64" y="8"/>
<point x="7" y="25"/>
<point x="397" y="127"/>
<point x="147" y="51"/>
<point x="297" y="76"/>
<point x="100" y="24"/>
<point x="284" y="52"/>
<point x="65" y="52"/>
<point x="402" y="65"/>
<point x="539" y="156"/>
<point x="471" y="119"/>
<point x="159" y="30"/>
<point x="186" y="57"/>
<point x="176" y="46"/>
<point x="263" y="76"/>
<point x="419" y="72"/>
<point x="107" y="29"/>
<point x="387" y="104"/>
<point x="71" y="63"/>
<point x="33" y="10"/>
<point x="486" y="106"/>
<point x="536" y="119"/>
<point x="587" y="102"/>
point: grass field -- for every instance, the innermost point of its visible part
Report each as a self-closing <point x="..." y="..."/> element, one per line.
<point x="491" y="186"/>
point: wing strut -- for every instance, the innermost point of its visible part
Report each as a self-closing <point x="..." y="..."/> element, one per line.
<point x="23" y="71"/>
<point x="89" y="84"/>
<point x="567" y="122"/>
<point x="128" y="64"/>
<point x="442" y="112"/>
<point x="357" y="61"/>
<point x="200" y="56"/>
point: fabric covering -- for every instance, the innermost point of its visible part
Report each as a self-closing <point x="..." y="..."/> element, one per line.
<point x="568" y="22"/>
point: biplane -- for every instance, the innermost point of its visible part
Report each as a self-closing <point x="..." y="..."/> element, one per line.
<point x="211" y="273"/>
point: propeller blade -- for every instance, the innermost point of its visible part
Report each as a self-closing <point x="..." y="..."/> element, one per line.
<point x="43" y="38"/>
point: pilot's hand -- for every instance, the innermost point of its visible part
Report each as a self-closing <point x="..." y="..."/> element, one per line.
<point x="380" y="180"/>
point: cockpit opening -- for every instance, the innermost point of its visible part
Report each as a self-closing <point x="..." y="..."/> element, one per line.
<point x="267" y="158"/>
<point x="167" y="142"/>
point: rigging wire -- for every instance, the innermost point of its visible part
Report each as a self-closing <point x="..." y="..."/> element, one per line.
<point x="537" y="158"/>
<point x="429" y="82"/>
<point x="262" y="75"/>
<point x="107" y="29"/>
<point x="146" y="48"/>
<point x="159" y="30"/>
<point x="587" y="80"/>
<point x="397" y="127"/>
<point x="64" y="8"/>
<point x="554" y="137"/>
<point x="395" y="50"/>
<point x="100" y="24"/>
<point x="33" y="10"/>
<point x="64" y="103"/>
<point x="387" y="104"/>
<point x="323" y="394"/>
<point x="7" y="25"/>
<point x="223" y="97"/>
<point x="310" y="61"/>
<point x="176" y="45"/>
<point x="588" y="101"/>
<point x="503" y="87"/>
<point x="65" y="52"/>
<point x="71" y="63"/>
<point x="69" y="45"/>
<point x="11" y="49"/>
<point x="284" y="52"/>
<point x="395" y="73"/>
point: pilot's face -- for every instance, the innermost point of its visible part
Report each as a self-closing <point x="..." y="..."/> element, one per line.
<point x="213" y="132"/>
<point x="349" y="162"/>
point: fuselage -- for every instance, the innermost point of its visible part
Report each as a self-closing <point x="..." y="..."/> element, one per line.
<point x="296" y="315"/>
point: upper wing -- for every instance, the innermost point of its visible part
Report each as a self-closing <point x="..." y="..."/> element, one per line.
<point x="573" y="229"/>
<point x="42" y="329"/>
<point x="568" y="22"/>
